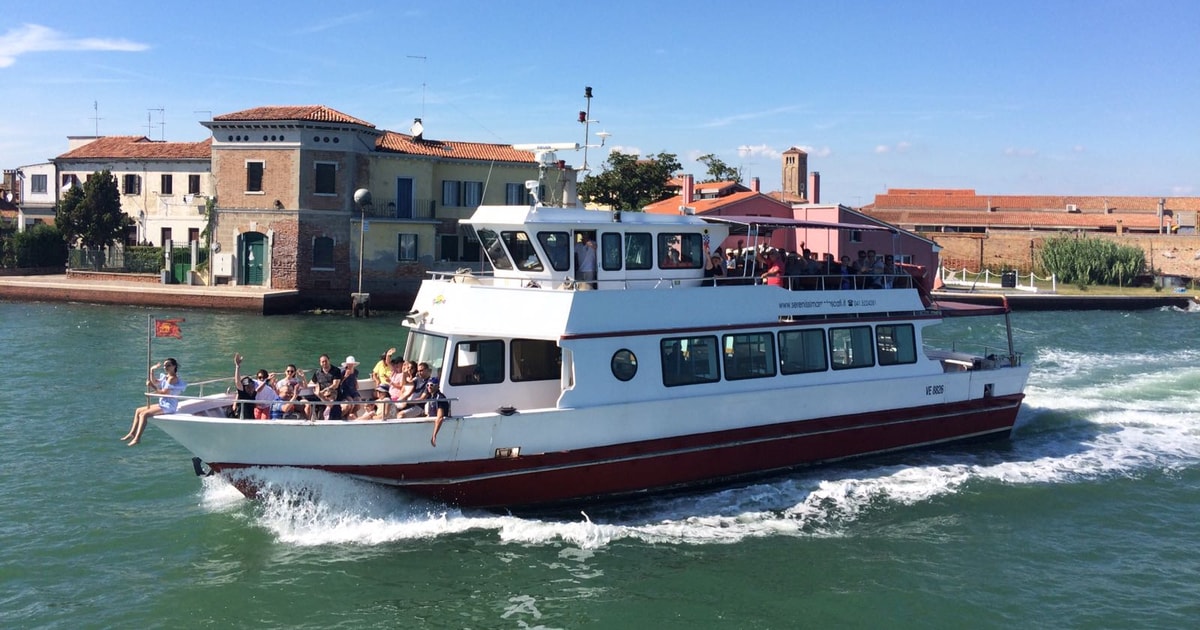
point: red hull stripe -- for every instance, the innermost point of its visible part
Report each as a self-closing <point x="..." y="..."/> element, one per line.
<point x="676" y="462"/>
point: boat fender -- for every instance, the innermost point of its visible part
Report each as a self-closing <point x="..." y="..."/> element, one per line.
<point x="506" y="410"/>
<point x="198" y="466"/>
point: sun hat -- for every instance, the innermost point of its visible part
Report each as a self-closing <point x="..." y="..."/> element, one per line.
<point x="350" y="360"/>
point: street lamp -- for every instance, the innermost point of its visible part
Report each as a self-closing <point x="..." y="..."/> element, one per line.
<point x="361" y="301"/>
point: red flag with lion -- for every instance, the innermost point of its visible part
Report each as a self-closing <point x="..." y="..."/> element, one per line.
<point x="168" y="328"/>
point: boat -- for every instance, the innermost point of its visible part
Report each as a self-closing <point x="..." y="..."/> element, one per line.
<point x="649" y="378"/>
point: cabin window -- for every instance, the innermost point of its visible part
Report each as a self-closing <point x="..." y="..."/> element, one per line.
<point x="680" y="251"/>
<point x="478" y="363"/>
<point x="638" y="253"/>
<point x="610" y="251"/>
<point x="535" y="360"/>
<point x="624" y="364"/>
<point x="851" y="347"/>
<point x="523" y="253"/>
<point x="689" y="360"/>
<point x="427" y="348"/>
<point x="557" y="246"/>
<point x="802" y="351"/>
<point x="749" y="356"/>
<point x="495" y="251"/>
<point x="896" y="344"/>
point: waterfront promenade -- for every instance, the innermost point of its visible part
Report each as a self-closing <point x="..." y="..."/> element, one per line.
<point x="265" y="301"/>
<point x="64" y="288"/>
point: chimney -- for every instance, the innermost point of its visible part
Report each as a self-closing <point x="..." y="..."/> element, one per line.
<point x="687" y="192"/>
<point x="754" y="185"/>
<point x="814" y="187"/>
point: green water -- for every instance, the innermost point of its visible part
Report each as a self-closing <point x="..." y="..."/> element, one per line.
<point x="1087" y="518"/>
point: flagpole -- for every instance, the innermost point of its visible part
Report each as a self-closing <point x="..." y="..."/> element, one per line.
<point x="149" y="343"/>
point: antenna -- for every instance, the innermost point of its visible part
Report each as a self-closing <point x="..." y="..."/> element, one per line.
<point x="162" y="122"/>
<point x="96" y="116"/>
<point x="424" y="71"/>
<point x="585" y="117"/>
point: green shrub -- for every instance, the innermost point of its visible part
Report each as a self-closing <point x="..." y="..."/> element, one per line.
<point x="39" y="246"/>
<point x="1083" y="261"/>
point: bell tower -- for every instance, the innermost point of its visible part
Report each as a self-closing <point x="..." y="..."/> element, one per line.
<point x="795" y="174"/>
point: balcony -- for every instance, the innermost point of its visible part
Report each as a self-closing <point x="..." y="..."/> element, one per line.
<point x="382" y="208"/>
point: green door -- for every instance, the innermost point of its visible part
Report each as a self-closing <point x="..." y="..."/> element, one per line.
<point x="254" y="254"/>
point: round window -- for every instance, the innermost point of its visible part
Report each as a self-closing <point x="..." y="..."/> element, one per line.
<point x="624" y="365"/>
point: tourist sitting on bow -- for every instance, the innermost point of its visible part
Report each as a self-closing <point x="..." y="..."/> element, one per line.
<point x="168" y="384"/>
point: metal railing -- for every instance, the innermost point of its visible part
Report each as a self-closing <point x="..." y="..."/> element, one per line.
<point x="389" y="209"/>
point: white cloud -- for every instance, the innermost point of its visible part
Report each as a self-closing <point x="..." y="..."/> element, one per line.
<point x="759" y="150"/>
<point x="729" y="120"/>
<point x="626" y="150"/>
<point x="1182" y="191"/>
<point x="824" y="151"/>
<point x="1078" y="149"/>
<point x="1020" y="152"/>
<point x="899" y="147"/>
<point x="29" y="38"/>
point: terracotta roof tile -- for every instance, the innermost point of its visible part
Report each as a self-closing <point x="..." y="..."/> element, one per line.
<point x="312" y="113"/>
<point x="139" y="148"/>
<point x="670" y="205"/>
<point x="393" y="142"/>
<point x="1015" y="220"/>
<point x="968" y="199"/>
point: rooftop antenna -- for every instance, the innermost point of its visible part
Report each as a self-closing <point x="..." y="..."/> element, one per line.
<point x="424" y="71"/>
<point x="162" y="122"/>
<point x="96" y="116"/>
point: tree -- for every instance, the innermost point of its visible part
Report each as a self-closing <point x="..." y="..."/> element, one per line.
<point x="718" y="170"/>
<point x="92" y="215"/>
<point x="629" y="183"/>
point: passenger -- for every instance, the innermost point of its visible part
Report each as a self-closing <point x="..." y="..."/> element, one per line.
<point x="773" y="276"/>
<point x="288" y="389"/>
<point x="419" y="391"/>
<point x="383" y="369"/>
<point x="437" y="408"/>
<point x="265" y="395"/>
<point x="846" y="270"/>
<point x="889" y="271"/>
<point x="348" y="391"/>
<point x="326" y="382"/>
<point x="400" y="382"/>
<point x="714" y="266"/>
<point x="169" y="384"/>
<point x="247" y="390"/>
<point x="860" y="263"/>
<point x="377" y="409"/>
<point x="585" y="264"/>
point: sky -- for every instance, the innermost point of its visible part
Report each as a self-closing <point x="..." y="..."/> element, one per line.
<point x="1087" y="97"/>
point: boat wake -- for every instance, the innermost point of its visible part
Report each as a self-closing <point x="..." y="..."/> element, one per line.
<point x="1089" y="418"/>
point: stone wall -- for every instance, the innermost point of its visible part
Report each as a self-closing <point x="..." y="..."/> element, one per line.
<point x="1010" y="249"/>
